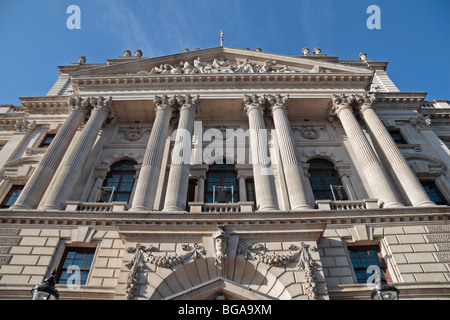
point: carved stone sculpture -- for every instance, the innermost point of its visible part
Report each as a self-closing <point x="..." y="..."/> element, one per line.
<point x="24" y="125"/>
<point x="219" y="65"/>
<point x="220" y="239"/>
<point x="133" y="133"/>
<point x="309" y="132"/>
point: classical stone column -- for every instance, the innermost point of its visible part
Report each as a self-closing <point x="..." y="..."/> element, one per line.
<point x="399" y="167"/>
<point x="266" y="197"/>
<point x="201" y="189"/>
<point x="43" y="174"/>
<point x="71" y="169"/>
<point x="178" y="182"/>
<point x="295" y="178"/>
<point x="242" y="188"/>
<point x="144" y="197"/>
<point x="366" y="155"/>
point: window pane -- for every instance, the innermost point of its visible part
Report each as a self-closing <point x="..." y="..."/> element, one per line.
<point x="80" y="257"/>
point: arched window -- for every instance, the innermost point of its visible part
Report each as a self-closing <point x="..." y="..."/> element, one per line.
<point x="325" y="181"/>
<point x="221" y="184"/>
<point x="119" y="182"/>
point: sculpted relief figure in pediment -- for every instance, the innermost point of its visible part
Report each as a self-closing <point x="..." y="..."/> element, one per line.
<point x="222" y="65"/>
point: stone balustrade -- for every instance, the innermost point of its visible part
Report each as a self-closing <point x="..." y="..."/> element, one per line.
<point x="96" y="206"/>
<point x="347" y="204"/>
<point x="242" y="206"/>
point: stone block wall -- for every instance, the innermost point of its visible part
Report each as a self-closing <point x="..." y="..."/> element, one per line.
<point x="29" y="253"/>
<point x="414" y="253"/>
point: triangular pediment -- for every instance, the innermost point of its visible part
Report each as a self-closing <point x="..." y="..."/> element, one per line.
<point x="220" y="61"/>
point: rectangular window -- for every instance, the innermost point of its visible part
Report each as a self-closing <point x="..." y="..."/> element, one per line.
<point x="192" y="190"/>
<point x="397" y="136"/>
<point x="47" y="140"/>
<point x="433" y="192"/>
<point x="12" y="196"/>
<point x="82" y="259"/>
<point x="250" y="190"/>
<point x="364" y="256"/>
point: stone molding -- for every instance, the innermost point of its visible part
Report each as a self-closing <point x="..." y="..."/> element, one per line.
<point x="125" y="219"/>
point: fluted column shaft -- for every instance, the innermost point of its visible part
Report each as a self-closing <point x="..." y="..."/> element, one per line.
<point x="178" y="182"/>
<point x="405" y="177"/>
<point x="71" y="170"/>
<point x="366" y="155"/>
<point x="201" y="189"/>
<point x="242" y="189"/>
<point x="266" y="197"/>
<point x="292" y="169"/>
<point x="144" y="197"/>
<point x="44" y="172"/>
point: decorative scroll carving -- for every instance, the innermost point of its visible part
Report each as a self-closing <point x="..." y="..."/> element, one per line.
<point x="302" y="252"/>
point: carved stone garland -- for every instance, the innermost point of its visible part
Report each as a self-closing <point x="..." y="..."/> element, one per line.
<point x="305" y="261"/>
<point x="137" y="263"/>
<point x="194" y="252"/>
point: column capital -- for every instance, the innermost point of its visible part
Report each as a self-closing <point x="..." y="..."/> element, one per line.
<point x="342" y="100"/>
<point x="188" y="102"/>
<point x="365" y="101"/>
<point x="164" y="103"/>
<point x="277" y="101"/>
<point x="254" y="102"/>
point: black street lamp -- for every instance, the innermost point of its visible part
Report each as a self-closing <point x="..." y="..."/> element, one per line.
<point x="46" y="290"/>
<point x="383" y="291"/>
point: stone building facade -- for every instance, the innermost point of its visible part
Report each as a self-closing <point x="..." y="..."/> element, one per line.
<point x="225" y="173"/>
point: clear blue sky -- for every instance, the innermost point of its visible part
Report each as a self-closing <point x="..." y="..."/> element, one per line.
<point x="414" y="36"/>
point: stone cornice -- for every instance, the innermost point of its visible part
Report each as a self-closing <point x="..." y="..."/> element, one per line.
<point x="221" y="81"/>
<point x="182" y="220"/>
<point x="46" y="104"/>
